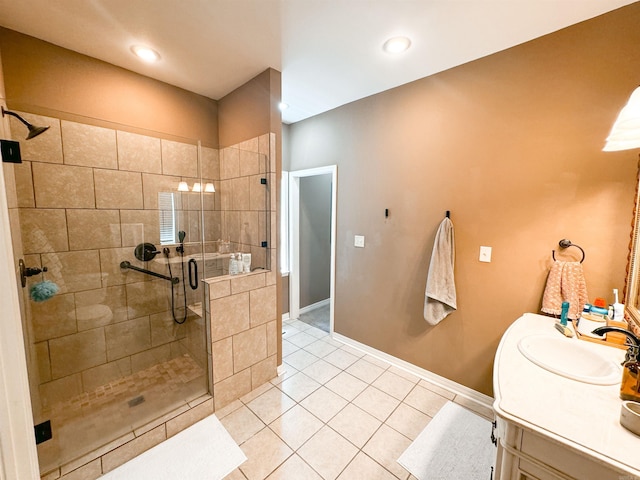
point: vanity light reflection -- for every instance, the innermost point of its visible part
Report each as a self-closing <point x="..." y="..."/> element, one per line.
<point x="197" y="187"/>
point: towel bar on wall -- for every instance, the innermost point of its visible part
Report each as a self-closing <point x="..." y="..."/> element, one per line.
<point x="565" y="243"/>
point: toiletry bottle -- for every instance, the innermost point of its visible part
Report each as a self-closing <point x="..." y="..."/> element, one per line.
<point x="618" y="308"/>
<point x="233" y="265"/>
<point x="563" y="315"/>
<point x="630" y="386"/>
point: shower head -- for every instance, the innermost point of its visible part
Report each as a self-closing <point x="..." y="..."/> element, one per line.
<point x="33" y="130"/>
<point x="181" y="235"/>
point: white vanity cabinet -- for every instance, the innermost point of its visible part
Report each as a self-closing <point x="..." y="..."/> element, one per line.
<point x="554" y="428"/>
<point x="525" y="455"/>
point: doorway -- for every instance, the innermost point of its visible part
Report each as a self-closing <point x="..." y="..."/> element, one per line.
<point x="303" y="288"/>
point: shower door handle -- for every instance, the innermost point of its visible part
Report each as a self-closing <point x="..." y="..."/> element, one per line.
<point x="193" y="274"/>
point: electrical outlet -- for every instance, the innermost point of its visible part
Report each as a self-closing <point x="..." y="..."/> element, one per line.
<point x="485" y="254"/>
<point x="358" y="241"/>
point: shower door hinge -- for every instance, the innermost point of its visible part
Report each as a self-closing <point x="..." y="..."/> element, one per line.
<point x="264" y="244"/>
<point x="43" y="432"/>
<point x="263" y="181"/>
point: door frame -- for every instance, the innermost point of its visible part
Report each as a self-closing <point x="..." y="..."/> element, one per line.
<point x="294" y="238"/>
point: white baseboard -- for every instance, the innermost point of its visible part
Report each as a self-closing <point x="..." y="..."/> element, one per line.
<point x="285" y="316"/>
<point x="472" y="395"/>
<point x="314" y="306"/>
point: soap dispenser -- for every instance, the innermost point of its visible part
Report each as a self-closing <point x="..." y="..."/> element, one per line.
<point x="630" y="386"/>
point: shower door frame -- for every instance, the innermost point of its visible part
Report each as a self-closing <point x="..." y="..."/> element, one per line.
<point x="18" y="455"/>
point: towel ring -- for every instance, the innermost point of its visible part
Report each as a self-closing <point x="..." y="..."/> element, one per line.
<point x="565" y="243"/>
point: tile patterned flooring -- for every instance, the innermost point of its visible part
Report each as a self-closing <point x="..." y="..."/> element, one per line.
<point x="83" y="422"/>
<point x="336" y="413"/>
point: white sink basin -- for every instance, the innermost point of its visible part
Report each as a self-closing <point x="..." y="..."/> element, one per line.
<point x="570" y="358"/>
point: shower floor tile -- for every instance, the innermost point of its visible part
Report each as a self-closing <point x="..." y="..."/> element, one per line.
<point x="87" y="421"/>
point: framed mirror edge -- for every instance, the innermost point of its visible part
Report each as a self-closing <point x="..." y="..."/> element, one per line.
<point x="632" y="280"/>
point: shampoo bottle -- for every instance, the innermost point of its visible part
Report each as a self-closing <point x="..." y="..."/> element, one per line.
<point x="233" y="265"/>
<point x="618" y="308"/>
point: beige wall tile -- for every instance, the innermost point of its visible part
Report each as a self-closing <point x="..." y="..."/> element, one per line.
<point x="257" y="193"/>
<point x="63" y="186"/>
<point x="138" y="153"/>
<point x="179" y="159"/>
<point x="54" y="318"/>
<point x="250" y="232"/>
<point x="240" y="193"/>
<point x="92" y="229"/>
<point x="89" y="471"/>
<point x="249" y="348"/>
<point x="41" y="350"/>
<point x="114" y="298"/>
<point x="272" y="338"/>
<point x="232" y="388"/>
<point x="148" y="358"/>
<point x="88" y="145"/>
<point x="243" y="283"/>
<point x="229" y="163"/>
<point x="115" y="189"/>
<point x="224" y="194"/>
<point x="127" y="338"/>
<point x="145" y="298"/>
<point x="74" y="271"/>
<point x="263" y="144"/>
<point x="93" y="378"/>
<point x="263" y="305"/>
<point x="219" y="289"/>
<point x="24" y="185"/>
<point x="229" y="315"/>
<point x="60" y="390"/>
<point x="251" y="145"/>
<point x="231" y="225"/>
<point x="152" y="184"/>
<point x="212" y="226"/>
<point x="77" y="352"/>
<point x="210" y="163"/>
<point x="263" y="371"/>
<point x="140" y="226"/>
<point x="133" y="448"/>
<point x="249" y="163"/>
<point x="46" y="147"/>
<point x="43" y="230"/>
<point x="164" y="329"/>
<point x="187" y="419"/>
<point x="110" y="260"/>
<point x="222" y="359"/>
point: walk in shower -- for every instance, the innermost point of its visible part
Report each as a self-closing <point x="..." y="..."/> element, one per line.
<point x="126" y="225"/>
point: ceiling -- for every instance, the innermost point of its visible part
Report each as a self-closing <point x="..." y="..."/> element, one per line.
<point x="329" y="51"/>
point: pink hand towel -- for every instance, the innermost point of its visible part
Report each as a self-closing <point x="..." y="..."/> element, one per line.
<point x="565" y="283"/>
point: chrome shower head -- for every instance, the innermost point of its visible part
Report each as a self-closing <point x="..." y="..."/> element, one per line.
<point x="33" y="130"/>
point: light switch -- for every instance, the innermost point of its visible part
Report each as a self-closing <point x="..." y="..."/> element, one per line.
<point x="358" y="241"/>
<point x="485" y="254"/>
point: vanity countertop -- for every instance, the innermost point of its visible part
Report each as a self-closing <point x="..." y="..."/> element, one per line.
<point x="581" y="416"/>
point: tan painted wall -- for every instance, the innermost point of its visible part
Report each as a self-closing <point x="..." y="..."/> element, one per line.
<point x="49" y="80"/>
<point x="511" y="144"/>
<point x="251" y="110"/>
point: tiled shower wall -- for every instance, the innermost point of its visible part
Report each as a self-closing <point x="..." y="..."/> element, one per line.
<point x="87" y="196"/>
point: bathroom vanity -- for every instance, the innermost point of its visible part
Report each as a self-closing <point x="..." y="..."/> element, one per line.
<point x="551" y="426"/>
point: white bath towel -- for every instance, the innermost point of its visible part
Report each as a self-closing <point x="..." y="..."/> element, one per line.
<point x="440" y="294"/>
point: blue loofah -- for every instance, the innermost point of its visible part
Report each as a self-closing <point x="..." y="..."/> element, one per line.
<point x="42" y="291"/>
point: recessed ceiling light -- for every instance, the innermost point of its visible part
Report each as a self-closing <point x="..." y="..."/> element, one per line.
<point x="283" y="106"/>
<point x="396" y="45"/>
<point x="145" y="53"/>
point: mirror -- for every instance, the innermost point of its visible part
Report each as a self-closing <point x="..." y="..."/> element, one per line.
<point x="632" y="303"/>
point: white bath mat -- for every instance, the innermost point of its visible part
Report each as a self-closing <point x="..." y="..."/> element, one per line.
<point x="455" y="445"/>
<point x="203" y="451"/>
